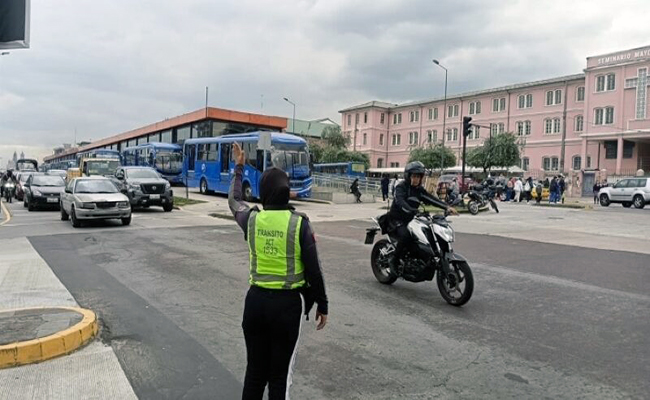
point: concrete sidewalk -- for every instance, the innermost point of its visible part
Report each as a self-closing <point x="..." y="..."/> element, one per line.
<point x="91" y="372"/>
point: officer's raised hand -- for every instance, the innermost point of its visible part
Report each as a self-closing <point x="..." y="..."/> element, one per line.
<point x="238" y="154"/>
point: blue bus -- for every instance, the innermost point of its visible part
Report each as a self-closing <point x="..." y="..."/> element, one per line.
<point x="99" y="153"/>
<point x="208" y="162"/>
<point x="166" y="158"/>
<point x="355" y="169"/>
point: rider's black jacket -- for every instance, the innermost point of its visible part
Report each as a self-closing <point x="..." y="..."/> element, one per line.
<point x="401" y="210"/>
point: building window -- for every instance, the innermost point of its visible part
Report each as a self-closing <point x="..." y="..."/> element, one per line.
<point x="609" y="115"/>
<point x="528" y="127"/>
<point x="394" y="119"/>
<point x="365" y="139"/>
<point x="611" y="82"/>
<point x="550" y="163"/>
<point x="588" y="161"/>
<point x="417" y="115"/>
<point x="600" y="83"/>
<point x="455" y="134"/>
<point x="356" y="119"/>
<point x="499" y="105"/>
<point x="577" y="161"/>
<point x="365" y="117"/>
<point x="494" y="129"/>
<point x="432" y="136"/>
<point x="554" y="97"/>
<point x="599" y="115"/>
<point x="430" y="114"/>
<point x="413" y="138"/>
<point x="520" y="128"/>
<point x="579" y="123"/>
<point x="641" y="89"/>
<point x="381" y="119"/>
<point x="558" y="96"/>
<point x="474" y="132"/>
<point x="399" y="139"/>
<point x="394" y="140"/>
<point x="452" y="111"/>
<point x="611" y="148"/>
<point x="399" y="118"/>
<point x="525" y="163"/>
<point x="628" y="149"/>
<point x="555" y="163"/>
<point x="449" y="135"/>
<point x="380" y="163"/>
<point x="412" y="116"/>
<point x="349" y="119"/>
<point x="502" y="127"/>
<point x="529" y="100"/>
<point x="456" y="108"/>
<point x="549" y="98"/>
<point x="475" y="107"/>
<point x="521" y="101"/>
<point x="435" y="113"/>
<point x="580" y="93"/>
<point x="394" y="165"/>
<point x="556" y="125"/>
<point x="381" y="139"/>
<point x="548" y="126"/>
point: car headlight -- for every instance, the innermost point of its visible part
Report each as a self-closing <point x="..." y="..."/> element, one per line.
<point x="167" y="186"/>
<point x="36" y="192"/>
<point x="123" y="204"/>
<point x="134" y="187"/>
<point x="89" y="206"/>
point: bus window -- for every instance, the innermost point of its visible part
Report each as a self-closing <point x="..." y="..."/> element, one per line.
<point x="260" y="160"/>
<point x="212" y="151"/>
<point x="190" y="153"/>
<point x="202" y="154"/>
<point x="225" y="157"/>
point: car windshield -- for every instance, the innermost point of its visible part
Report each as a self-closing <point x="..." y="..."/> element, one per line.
<point x="102" y="167"/>
<point x="95" y="186"/>
<point x="169" y="162"/>
<point x="45" y="180"/>
<point x="142" y="174"/>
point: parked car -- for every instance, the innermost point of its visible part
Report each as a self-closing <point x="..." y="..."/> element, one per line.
<point x="632" y="191"/>
<point x="21" y="179"/>
<point x="43" y="191"/>
<point x="448" y="178"/>
<point x="94" y="198"/>
<point x="145" y="187"/>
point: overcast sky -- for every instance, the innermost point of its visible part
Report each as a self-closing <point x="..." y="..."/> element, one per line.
<point x="107" y="66"/>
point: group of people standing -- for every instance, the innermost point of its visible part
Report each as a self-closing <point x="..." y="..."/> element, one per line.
<point x="518" y="190"/>
<point x="556" y="189"/>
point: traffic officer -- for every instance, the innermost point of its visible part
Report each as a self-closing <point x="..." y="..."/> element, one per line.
<point x="285" y="280"/>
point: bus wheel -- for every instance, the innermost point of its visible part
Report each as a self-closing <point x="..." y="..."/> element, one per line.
<point x="248" y="192"/>
<point x="203" y="187"/>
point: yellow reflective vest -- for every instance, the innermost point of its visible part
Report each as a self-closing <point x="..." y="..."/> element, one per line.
<point x="274" y="246"/>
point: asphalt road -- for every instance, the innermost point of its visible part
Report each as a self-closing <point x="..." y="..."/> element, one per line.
<point x="545" y="321"/>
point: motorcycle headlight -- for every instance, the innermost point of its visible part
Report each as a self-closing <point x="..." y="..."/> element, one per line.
<point x="447" y="233"/>
<point x="88" y="206"/>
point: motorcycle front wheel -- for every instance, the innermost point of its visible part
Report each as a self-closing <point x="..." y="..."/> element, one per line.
<point x="457" y="287"/>
<point x="379" y="263"/>
<point x="472" y="206"/>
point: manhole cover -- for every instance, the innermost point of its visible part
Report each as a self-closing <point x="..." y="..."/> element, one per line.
<point x="555" y="218"/>
<point x="324" y="216"/>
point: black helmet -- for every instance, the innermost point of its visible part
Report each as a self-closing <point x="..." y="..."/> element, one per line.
<point x="414" y="167"/>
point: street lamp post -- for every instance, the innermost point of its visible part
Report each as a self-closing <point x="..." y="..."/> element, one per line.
<point x="444" y="118"/>
<point x="293" y="122"/>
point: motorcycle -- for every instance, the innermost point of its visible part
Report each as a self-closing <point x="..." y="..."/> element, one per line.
<point x="9" y="189"/>
<point x="480" y="196"/>
<point x="430" y="254"/>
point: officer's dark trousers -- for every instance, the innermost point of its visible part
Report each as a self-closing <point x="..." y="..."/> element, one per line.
<point x="272" y="320"/>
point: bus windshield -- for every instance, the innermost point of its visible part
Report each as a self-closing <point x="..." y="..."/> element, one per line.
<point x="101" y="167"/>
<point x="168" y="162"/>
<point x="292" y="158"/>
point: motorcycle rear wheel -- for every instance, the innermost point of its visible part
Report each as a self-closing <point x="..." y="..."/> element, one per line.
<point x="472" y="206"/>
<point x="461" y="281"/>
<point x="379" y="263"/>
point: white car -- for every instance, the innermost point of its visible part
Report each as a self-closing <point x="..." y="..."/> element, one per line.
<point x="627" y="192"/>
<point x="94" y="198"/>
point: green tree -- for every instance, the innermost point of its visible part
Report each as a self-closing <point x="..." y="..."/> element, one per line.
<point x="332" y="155"/>
<point x="334" y="138"/>
<point x="432" y="156"/>
<point x="498" y="151"/>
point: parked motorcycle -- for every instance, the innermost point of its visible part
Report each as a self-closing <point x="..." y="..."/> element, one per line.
<point x="480" y="196"/>
<point x="9" y="190"/>
<point x="430" y="253"/>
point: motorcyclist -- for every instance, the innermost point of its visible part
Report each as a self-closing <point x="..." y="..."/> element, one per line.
<point x="8" y="176"/>
<point x="401" y="212"/>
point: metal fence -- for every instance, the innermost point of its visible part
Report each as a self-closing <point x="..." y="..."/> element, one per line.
<point x="342" y="183"/>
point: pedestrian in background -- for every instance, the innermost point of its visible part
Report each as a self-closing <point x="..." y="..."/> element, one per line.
<point x="552" y="198"/>
<point x="519" y="187"/>
<point x="595" y="190"/>
<point x="384" y="187"/>
<point x="527" y="189"/>
<point x="285" y="279"/>
<point x="510" y="187"/>
<point x="561" y="186"/>
<point x="539" y="189"/>
<point x="354" y="189"/>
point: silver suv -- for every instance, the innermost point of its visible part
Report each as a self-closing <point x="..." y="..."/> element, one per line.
<point x="627" y="192"/>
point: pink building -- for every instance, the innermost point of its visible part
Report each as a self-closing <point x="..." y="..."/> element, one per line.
<point x="596" y="120"/>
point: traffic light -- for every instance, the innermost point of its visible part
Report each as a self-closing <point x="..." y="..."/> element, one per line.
<point x="467" y="126"/>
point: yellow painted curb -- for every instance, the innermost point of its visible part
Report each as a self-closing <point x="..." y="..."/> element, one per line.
<point x="6" y="212"/>
<point x="55" y="345"/>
